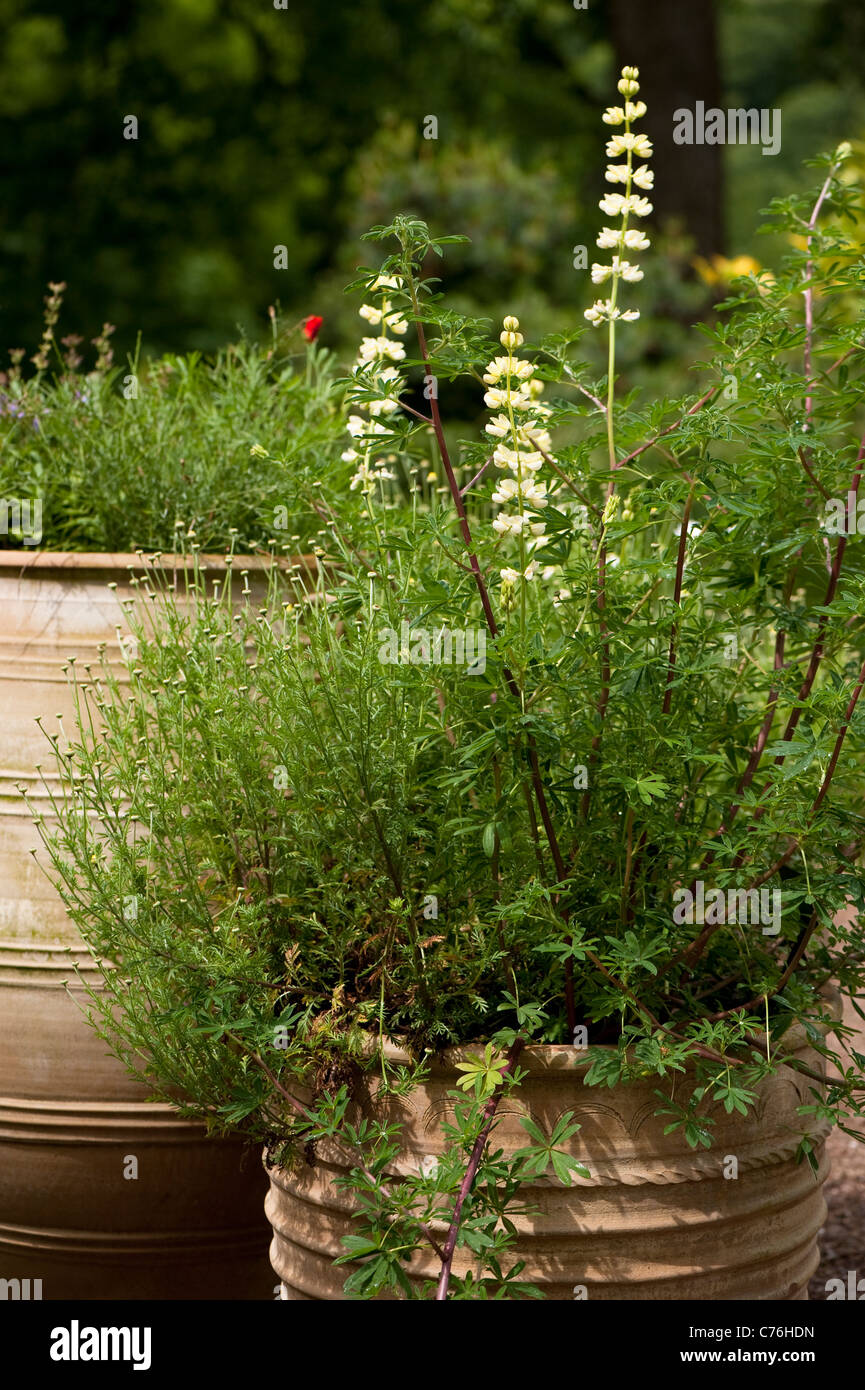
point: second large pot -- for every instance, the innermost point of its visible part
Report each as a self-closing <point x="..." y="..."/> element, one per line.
<point x="103" y="1194"/>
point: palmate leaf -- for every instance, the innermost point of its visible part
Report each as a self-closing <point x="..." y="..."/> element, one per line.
<point x="482" y="1074"/>
<point x="356" y="1246"/>
<point x="577" y="948"/>
<point x="545" y="1153"/>
<point x="646" y="788"/>
<point x="734" y="1097"/>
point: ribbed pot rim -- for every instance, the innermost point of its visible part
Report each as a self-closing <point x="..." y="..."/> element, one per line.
<point x="143" y="562"/>
<point x="541" y="1058"/>
<point x="55" y="949"/>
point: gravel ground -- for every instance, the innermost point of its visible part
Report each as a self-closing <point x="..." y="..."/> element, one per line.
<point x="842" y="1240"/>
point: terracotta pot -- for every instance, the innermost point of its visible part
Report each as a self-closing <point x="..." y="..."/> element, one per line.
<point x="188" y="1224"/>
<point x="655" y="1219"/>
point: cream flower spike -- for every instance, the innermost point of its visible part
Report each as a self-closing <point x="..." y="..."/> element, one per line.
<point x="523" y="449"/>
<point x="624" y="205"/>
<point x="374" y="366"/>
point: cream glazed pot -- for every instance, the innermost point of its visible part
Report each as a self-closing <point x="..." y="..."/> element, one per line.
<point x="654" y="1220"/>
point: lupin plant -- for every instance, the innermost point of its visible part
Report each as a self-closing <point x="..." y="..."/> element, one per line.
<point x="639" y="819"/>
<point x="623" y="239"/>
<point x="379" y="386"/>
<point x="86" y="457"/>
<point x="514" y="391"/>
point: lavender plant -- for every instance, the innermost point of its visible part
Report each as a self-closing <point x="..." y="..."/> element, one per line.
<point x="166" y="454"/>
<point x="632" y="813"/>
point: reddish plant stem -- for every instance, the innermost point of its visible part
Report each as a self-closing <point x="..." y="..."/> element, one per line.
<point x="816" y="657"/>
<point x="606" y="666"/>
<point x="810" y="675"/>
<point x="537" y="783"/>
<point x="807" y="357"/>
<point x="834" y="569"/>
<point x="831" y="588"/>
<point x="588" y="394"/>
<point x="476" y="479"/>
<point x="510" y="681"/>
<point x="489" y="1115"/>
<point x="762" y="737"/>
<point x="698" y="405"/>
<point x="834" y="572"/>
<point x="677" y="599"/>
<point x="461" y="511"/>
<point x="693" y="952"/>
<point x="766" y="727"/>
<point x="794" y="960"/>
<point x="548" y="458"/>
<point x="602" y="574"/>
<point x="827" y="778"/>
<point x="302" y="1112"/>
<point x="811" y="474"/>
<point x="418" y="414"/>
<point x="627" y="904"/>
<point x="842" y="734"/>
<point x="809" y="293"/>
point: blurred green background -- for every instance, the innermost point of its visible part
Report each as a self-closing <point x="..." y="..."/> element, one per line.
<point x="299" y="126"/>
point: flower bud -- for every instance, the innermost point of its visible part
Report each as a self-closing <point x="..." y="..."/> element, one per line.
<point x="507" y="596"/>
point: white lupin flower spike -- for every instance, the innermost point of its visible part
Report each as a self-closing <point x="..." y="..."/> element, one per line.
<point x="623" y="205"/>
<point x="374" y="368"/>
<point x="514" y="393"/>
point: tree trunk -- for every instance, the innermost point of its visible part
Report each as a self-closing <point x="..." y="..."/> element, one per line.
<point x="675" y="47"/>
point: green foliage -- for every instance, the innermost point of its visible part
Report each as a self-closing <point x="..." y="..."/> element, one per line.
<point x="158" y="455"/>
<point x="329" y="840"/>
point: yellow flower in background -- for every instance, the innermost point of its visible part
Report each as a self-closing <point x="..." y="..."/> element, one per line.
<point x="722" y="270"/>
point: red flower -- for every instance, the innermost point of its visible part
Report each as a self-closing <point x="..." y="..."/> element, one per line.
<point x="311" y="327"/>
